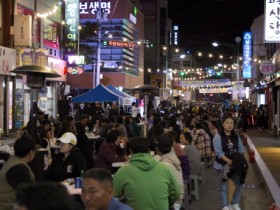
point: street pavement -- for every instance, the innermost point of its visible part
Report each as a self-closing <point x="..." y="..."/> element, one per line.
<point x="262" y="182"/>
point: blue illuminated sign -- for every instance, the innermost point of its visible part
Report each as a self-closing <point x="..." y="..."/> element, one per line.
<point x="247" y="55"/>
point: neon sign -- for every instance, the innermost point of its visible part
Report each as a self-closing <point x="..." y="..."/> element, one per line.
<point x="247" y="55"/>
<point x="119" y="44"/>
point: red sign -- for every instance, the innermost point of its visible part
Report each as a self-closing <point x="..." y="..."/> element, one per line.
<point x="267" y="68"/>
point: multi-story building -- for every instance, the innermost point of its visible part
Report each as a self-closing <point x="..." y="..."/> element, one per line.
<point x="121" y="35"/>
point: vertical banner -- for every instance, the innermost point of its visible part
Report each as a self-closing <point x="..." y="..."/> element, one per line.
<point x="247" y="55"/>
<point x="22" y="10"/>
<point x="271" y="21"/>
<point x="50" y="34"/>
<point x="7" y="60"/>
<point x="72" y="26"/>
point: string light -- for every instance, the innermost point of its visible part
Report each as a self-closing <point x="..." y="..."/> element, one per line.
<point x="49" y="12"/>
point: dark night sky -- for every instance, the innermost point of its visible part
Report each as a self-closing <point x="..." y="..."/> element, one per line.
<point x="204" y="21"/>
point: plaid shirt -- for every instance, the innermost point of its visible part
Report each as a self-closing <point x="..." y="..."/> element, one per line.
<point x="202" y="141"/>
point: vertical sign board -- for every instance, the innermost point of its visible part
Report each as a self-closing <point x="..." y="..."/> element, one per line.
<point x="175" y="34"/>
<point x="272" y="21"/>
<point x="247" y="55"/>
<point x="72" y="25"/>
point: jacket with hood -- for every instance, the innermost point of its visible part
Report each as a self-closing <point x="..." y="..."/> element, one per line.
<point x="146" y="184"/>
<point x="173" y="163"/>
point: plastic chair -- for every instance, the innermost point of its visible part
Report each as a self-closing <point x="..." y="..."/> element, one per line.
<point x="194" y="186"/>
<point x="201" y="174"/>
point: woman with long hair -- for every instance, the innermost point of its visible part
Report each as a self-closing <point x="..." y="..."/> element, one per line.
<point x="226" y="143"/>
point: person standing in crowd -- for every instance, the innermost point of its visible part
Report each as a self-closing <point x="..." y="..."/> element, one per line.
<point x="203" y="143"/>
<point x="145" y="183"/>
<point x="225" y="144"/>
<point x="69" y="163"/>
<point x="67" y="125"/>
<point x="44" y="196"/>
<point x="98" y="193"/>
<point x="110" y="150"/>
<point x="83" y="143"/>
<point x="113" y="112"/>
<point x="243" y="115"/>
<point x="191" y="151"/>
<point x="135" y="110"/>
<point x="16" y="171"/>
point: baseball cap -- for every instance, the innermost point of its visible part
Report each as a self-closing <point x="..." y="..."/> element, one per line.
<point x="68" y="138"/>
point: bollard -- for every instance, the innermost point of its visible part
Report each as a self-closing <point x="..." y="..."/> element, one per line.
<point x="244" y="139"/>
<point x="274" y="207"/>
<point x="251" y="156"/>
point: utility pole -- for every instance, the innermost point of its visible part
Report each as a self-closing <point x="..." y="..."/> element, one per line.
<point x="238" y="40"/>
<point x="98" y="19"/>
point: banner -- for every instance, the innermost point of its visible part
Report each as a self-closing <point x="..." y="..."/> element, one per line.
<point x="7" y="60"/>
<point x="50" y="34"/>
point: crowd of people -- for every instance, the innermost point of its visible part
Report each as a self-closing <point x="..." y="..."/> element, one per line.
<point x="158" y="165"/>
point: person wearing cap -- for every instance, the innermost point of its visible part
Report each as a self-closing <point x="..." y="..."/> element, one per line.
<point x="69" y="163"/>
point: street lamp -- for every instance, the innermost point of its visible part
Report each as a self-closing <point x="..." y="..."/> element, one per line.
<point x="237" y="41"/>
<point x="164" y="77"/>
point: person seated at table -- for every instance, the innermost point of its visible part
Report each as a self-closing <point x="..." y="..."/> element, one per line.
<point x="16" y="171"/>
<point x="44" y="196"/>
<point x="97" y="191"/>
<point x="83" y="143"/>
<point x="106" y="125"/>
<point x="120" y="126"/>
<point x="69" y="163"/>
<point x="110" y="150"/>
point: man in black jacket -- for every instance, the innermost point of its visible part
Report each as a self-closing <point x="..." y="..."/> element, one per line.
<point x="69" y="163"/>
<point x="16" y="171"/>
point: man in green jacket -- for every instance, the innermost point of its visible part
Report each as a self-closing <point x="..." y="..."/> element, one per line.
<point x="145" y="183"/>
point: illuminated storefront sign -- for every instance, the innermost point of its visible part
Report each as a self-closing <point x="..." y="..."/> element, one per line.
<point x="271" y="21"/>
<point x="247" y="55"/>
<point x="205" y="82"/>
<point x="89" y="8"/>
<point x="72" y="25"/>
<point x="119" y="44"/>
<point x="76" y="59"/>
<point x="175" y="34"/>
